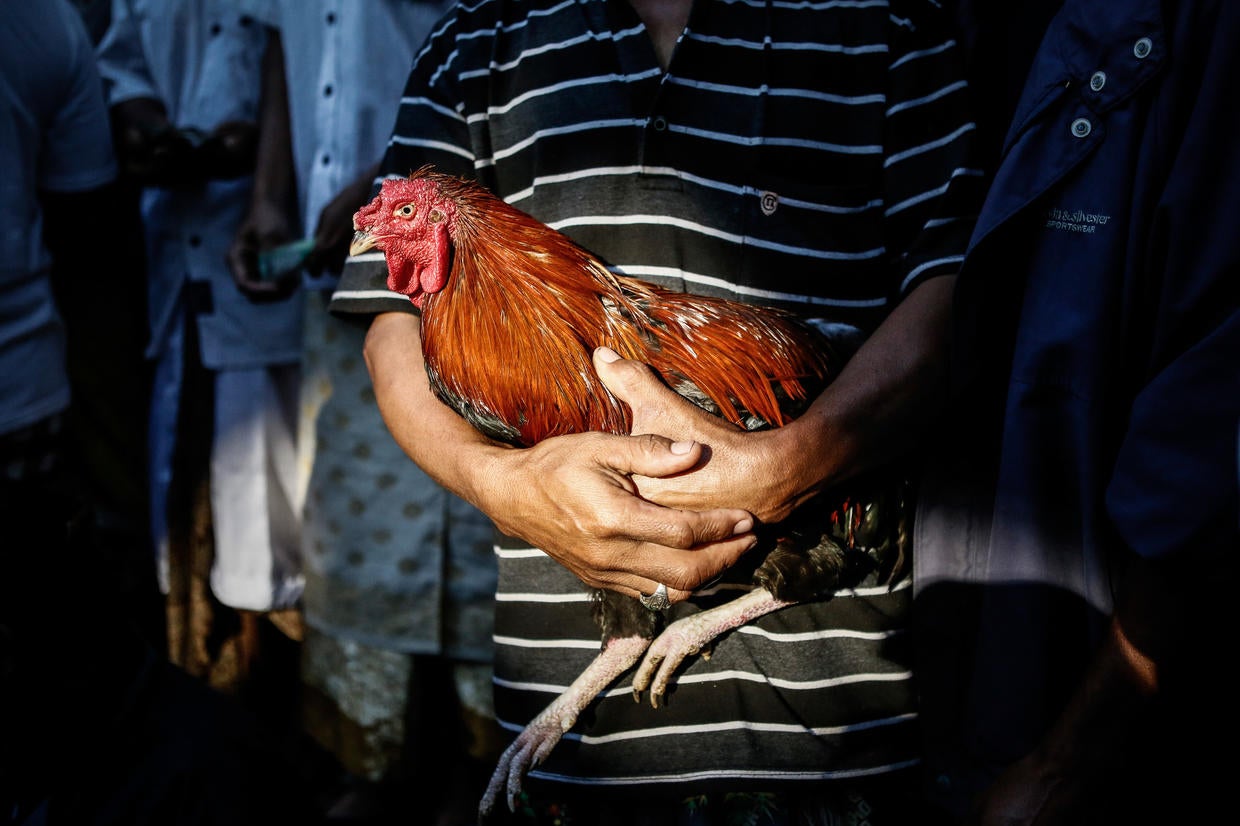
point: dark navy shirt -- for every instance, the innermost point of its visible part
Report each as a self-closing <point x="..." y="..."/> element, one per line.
<point x="1099" y="327"/>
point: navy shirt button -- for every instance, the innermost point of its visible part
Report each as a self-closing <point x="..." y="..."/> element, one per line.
<point x="1081" y="127"/>
<point x="1097" y="81"/>
<point x="331" y="18"/>
<point x="1142" y="48"/>
<point x="659" y="123"/>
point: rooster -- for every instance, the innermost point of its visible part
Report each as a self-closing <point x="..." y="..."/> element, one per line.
<point x="488" y="278"/>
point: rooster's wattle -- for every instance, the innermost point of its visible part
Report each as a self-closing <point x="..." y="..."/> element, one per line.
<point x="490" y="279"/>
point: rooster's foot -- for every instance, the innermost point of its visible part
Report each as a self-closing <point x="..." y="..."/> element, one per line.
<point x="689" y="635"/>
<point x="529" y="749"/>
<point x="538" y="738"/>
<point x="679" y="641"/>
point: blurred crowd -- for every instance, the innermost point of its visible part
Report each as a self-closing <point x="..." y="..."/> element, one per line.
<point x="192" y="458"/>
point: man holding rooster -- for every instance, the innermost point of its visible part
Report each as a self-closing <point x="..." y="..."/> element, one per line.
<point x="814" y="158"/>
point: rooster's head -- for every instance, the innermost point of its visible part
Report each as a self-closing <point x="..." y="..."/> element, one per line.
<point x="411" y="220"/>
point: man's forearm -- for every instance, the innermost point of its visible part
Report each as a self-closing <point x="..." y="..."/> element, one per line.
<point x="885" y="396"/>
<point x="442" y="443"/>
<point x="1111" y="724"/>
<point x="871" y="413"/>
<point x="1150" y="620"/>
<point x="274" y="174"/>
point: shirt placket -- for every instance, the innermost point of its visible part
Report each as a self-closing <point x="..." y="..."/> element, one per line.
<point x="324" y="178"/>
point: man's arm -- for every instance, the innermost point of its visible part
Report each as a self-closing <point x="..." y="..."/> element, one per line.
<point x="872" y="412"/>
<point x="1086" y="757"/>
<point x="571" y="496"/>
<point x="270" y="220"/>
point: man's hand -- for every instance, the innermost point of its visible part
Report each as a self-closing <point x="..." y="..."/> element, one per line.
<point x="152" y="152"/>
<point x="335" y="229"/>
<point x="1026" y="794"/>
<point x="1082" y="769"/>
<point x="229" y="151"/>
<point x="574" y="498"/>
<point x="738" y="468"/>
<point x="266" y="226"/>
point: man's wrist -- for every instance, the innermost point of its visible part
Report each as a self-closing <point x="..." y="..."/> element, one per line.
<point x="485" y="477"/>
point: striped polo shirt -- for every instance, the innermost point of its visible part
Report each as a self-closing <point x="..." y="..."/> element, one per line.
<point x="809" y="155"/>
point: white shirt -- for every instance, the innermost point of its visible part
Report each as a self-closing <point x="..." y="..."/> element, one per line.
<point x="203" y="60"/>
<point x="346" y="63"/>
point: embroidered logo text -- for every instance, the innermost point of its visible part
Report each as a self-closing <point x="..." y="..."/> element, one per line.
<point x="1075" y="220"/>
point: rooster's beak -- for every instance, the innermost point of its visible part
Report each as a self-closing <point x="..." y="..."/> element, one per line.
<point x="362" y="241"/>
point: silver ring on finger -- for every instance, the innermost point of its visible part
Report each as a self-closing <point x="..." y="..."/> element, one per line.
<point x="657" y="601"/>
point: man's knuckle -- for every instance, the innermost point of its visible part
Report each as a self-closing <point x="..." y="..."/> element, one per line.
<point x="650" y="443"/>
<point x="631" y="371"/>
<point x="681" y="535"/>
<point x="591" y="581"/>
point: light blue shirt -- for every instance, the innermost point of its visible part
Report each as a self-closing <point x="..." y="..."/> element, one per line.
<point x="203" y="60"/>
<point x="392" y="560"/>
<point x="346" y="64"/>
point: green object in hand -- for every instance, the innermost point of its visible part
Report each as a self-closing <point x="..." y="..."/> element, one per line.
<point x="280" y="261"/>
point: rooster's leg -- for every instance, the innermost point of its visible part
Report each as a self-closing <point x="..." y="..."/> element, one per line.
<point x="689" y="635"/>
<point x="538" y="738"/>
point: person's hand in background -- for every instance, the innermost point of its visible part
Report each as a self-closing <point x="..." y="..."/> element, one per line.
<point x="266" y="227"/>
<point x="151" y="151"/>
<point x="335" y="228"/>
<point x="229" y="151"/>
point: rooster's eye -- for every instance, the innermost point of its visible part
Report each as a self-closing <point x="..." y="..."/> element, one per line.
<point x="406" y="210"/>
<point x="435" y="216"/>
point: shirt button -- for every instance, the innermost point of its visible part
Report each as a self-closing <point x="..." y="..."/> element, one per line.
<point x="327" y="91"/>
<point x="1081" y="127"/>
<point x="1142" y="48"/>
<point x="659" y="123"/>
<point x="326" y="160"/>
<point x="195" y="241"/>
<point x="331" y="17"/>
<point x="1097" y="81"/>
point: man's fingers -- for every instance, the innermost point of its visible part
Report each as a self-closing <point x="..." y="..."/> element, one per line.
<point x="682" y="549"/>
<point x="649" y="589"/>
<point x="682" y="572"/>
<point x="635" y="384"/>
<point x="687" y="530"/>
<point x="659" y="457"/>
<point x="689" y="570"/>
<point x="650" y="455"/>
